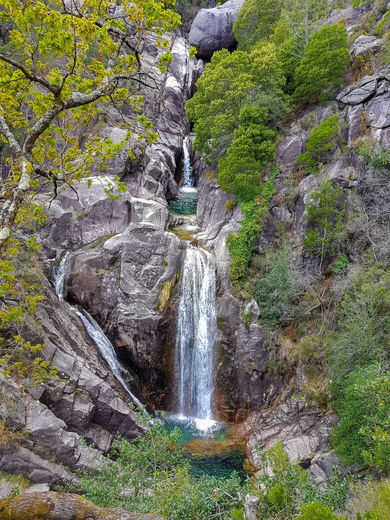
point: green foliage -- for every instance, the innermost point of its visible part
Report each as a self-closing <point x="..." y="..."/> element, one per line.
<point x="241" y="246"/>
<point x="325" y="215"/>
<point x="326" y="58"/>
<point x="363" y="438"/>
<point x="253" y="145"/>
<point x="375" y="155"/>
<point x="255" y="21"/>
<point x="276" y="291"/>
<point x="181" y="497"/>
<point x="374" y="499"/>
<point x="289" y="488"/>
<point x="340" y="264"/>
<point x="150" y="476"/>
<point x="318" y="511"/>
<point x="321" y="142"/>
<point x="230" y="82"/>
<point x="362" y="336"/>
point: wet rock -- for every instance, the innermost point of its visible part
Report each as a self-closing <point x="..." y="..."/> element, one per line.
<point x="62" y="506"/>
<point x="212" y="29"/>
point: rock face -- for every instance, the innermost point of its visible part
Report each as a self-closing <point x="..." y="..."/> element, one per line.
<point x="122" y="267"/>
<point x="61" y="506"/>
<point x="212" y="29"/>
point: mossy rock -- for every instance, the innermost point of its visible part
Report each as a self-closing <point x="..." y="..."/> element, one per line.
<point x="61" y="506"/>
<point x="165" y="295"/>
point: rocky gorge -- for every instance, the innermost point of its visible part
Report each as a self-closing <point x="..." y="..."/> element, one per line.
<point x="124" y="260"/>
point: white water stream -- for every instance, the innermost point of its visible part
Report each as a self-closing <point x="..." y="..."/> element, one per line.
<point x="104" y="345"/>
<point x="195" y="338"/>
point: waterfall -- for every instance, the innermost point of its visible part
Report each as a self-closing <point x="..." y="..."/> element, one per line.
<point x="196" y="337"/>
<point x="103" y="344"/>
<point x="188" y="181"/>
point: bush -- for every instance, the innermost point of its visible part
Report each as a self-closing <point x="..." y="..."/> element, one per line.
<point x="362" y="335"/>
<point x="362" y="437"/>
<point x="253" y="145"/>
<point x="325" y="214"/>
<point x="241" y="246"/>
<point x="255" y="21"/>
<point x="276" y="291"/>
<point x="321" y="142"/>
<point x="373" y="498"/>
<point x="287" y="487"/>
<point x="326" y="58"/>
<point x="318" y="511"/>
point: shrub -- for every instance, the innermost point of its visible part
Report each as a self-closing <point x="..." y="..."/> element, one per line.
<point x="318" y="511"/>
<point x="363" y="438"/>
<point x="287" y="487"/>
<point x="326" y="58"/>
<point x="276" y="291"/>
<point x="255" y="21"/>
<point x="373" y="498"/>
<point x="241" y="246"/>
<point x="340" y="264"/>
<point x="362" y="335"/>
<point x="321" y="142"/>
<point x="253" y="145"/>
<point x="325" y="215"/>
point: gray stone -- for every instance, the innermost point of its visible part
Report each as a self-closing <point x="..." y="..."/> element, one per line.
<point x="5" y="489"/>
<point x="38" y="488"/>
<point x="361" y="94"/>
<point x="212" y="29"/>
<point x="377" y="111"/>
<point x="364" y="45"/>
<point x="322" y="466"/>
<point x="251" y="507"/>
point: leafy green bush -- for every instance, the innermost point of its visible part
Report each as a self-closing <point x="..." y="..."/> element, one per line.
<point x="241" y="246"/>
<point x="374" y="499"/>
<point x="325" y="215"/>
<point x="255" y="21"/>
<point x="287" y="487"/>
<point x="321" y="142"/>
<point x="253" y="145"/>
<point x="276" y="291"/>
<point x="255" y="212"/>
<point x="230" y="82"/>
<point x="340" y="264"/>
<point x="362" y="335"/>
<point x="318" y="511"/>
<point x="326" y="58"/>
<point x="362" y="437"/>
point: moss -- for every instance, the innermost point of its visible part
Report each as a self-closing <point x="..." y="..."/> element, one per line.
<point x="165" y="295"/>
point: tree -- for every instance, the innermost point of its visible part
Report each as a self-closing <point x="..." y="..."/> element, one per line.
<point x="63" y="58"/>
<point x="252" y="147"/>
<point x="63" y="62"/>
<point x="229" y="82"/>
<point x="326" y="58"/>
<point x="321" y="142"/>
<point x="255" y="21"/>
<point x="325" y="214"/>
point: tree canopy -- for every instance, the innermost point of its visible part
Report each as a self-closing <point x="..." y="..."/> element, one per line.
<point x="326" y="58"/>
<point x="61" y="59"/>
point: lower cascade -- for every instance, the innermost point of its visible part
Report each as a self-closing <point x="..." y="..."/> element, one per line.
<point x="101" y="341"/>
<point x="195" y="341"/>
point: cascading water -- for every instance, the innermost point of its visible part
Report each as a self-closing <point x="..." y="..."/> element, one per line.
<point x="188" y="181"/>
<point x="185" y="202"/>
<point x="196" y="337"/>
<point x="104" y="345"/>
